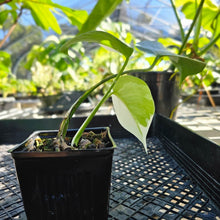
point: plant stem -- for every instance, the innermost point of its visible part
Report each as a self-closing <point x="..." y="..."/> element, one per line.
<point x="65" y="122"/>
<point x="5" y="2"/>
<point x="172" y="67"/>
<point x="191" y="26"/>
<point x="11" y="29"/>
<point x="178" y="20"/>
<point x="78" y="135"/>
<point x="175" y="108"/>
<point x="197" y="31"/>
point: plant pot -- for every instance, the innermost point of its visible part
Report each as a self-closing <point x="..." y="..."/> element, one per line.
<point x="63" y="102"/>
<point x="164" y="89"/>
<point x="49" y="100"/>
<point x="64" y="185"/>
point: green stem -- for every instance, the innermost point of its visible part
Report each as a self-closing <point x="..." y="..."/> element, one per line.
<point x="175" y="108"/>
<point x="172" y="67"/>
<point x="65" y="122"/>
<point x="191" y="26"/>
<point x="11" y="28"/>
<point x="187" y="98"/>
<point x="197" y="31"/>
<point x="178" y="20"/>
<point x="78" y="135"/>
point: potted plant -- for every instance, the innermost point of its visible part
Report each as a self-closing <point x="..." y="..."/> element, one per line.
<point x="204" y="45"/>
<point x="165" y="85"/>
<point x="41" y="173"/>
<point x="202" y="36"/>
<point x="58" y="176"/>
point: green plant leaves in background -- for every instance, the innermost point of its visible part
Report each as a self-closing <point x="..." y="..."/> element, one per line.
<point x="102" y="9"/>
<point x="134" y="106"/>
<point x="102" y="38"/>
<point x="42" y="12"/>
<point x="5" y="64"/>
<point x="5" y="58"/>
<point x="3" y="17"/>
<point x="209" y="12"/>
<point x="75" y="17"/>
<point x="210" y="15"/>
<point x="185" y="65"/>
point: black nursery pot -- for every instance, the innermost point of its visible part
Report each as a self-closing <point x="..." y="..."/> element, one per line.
<point x="164" y="89"/>
<point x="65" y="185"/>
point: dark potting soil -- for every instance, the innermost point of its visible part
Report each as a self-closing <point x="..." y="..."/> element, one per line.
<point x="89" y="140"/>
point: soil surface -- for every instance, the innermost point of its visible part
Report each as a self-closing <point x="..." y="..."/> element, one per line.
<point x="89" y="140"/>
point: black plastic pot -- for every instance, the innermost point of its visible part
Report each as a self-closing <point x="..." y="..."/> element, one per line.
<point x="164" y="89"/>
<point x="64" y="185"/>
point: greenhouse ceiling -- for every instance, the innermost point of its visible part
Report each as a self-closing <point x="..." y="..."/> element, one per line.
<point x="149" y="19"/>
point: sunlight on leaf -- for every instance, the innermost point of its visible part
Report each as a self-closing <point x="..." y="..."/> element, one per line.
<point x="102" y="38"/>
<point x="134" y="106"/>
<point x="185" y="65"/>
<point x="102" y="9"/>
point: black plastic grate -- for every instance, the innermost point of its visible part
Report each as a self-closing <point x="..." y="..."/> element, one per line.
<point x="154" y="186"/>
<point x="151" y="186"/>
<point x="10" y="198"/>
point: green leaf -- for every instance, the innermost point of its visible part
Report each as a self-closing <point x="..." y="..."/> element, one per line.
<point x="76" y="17"/>
<point x="210" y="12"/>
<point x="3" y="17"/>
<point x="5" y="58"/>
<point x="134" y="106"/>
<point x="36" y="50"/>
<point x="102" y="38"/>
<point x="41" y="12"/>
<point x="101" y="10"/>
<point x="185" y="65"/>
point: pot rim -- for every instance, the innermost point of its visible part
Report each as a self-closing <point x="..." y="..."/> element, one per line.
<point x="52" y="133"/>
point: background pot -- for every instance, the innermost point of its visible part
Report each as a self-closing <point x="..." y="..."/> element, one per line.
<point x="164" y="89"/>
<point x="64" y="185"/>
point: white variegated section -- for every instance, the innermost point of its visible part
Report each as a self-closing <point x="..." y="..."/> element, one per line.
<point x="127" y="121"/>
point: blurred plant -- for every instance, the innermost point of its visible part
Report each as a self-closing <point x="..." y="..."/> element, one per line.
<point x="9" y="84"/>
<point x="11" y="13"/>
<point x="39" y="9"/>
<point x="110" y="60"/>
<point x="63" y="72"/>
<point x="105" y="62"/>
<point x="25" y="87"/>
<point x="6" y="78"/>
<point x="198" y="45"/>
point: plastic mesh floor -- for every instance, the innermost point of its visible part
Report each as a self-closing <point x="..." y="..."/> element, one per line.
<point x="144" y="186"/>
